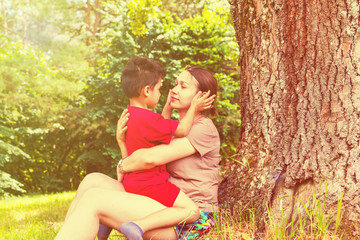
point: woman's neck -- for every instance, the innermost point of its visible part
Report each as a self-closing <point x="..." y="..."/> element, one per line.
<point x="183" y="113"/>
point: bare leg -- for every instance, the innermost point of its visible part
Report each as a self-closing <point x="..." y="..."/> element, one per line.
<point x="93" y="180"/>
<point x="161" y="234"/>
<point x="184" y="210"/>
<point x="111" y="207"/>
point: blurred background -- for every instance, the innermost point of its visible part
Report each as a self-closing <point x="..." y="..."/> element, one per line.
<point x="60" y="92"/>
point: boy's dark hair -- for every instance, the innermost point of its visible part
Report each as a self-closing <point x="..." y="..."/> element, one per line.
<point x="140" y="72"/>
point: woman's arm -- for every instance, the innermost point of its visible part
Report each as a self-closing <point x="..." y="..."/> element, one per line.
<point x="148" y="158"/>
<point x="121" y="129"/>
<point x="120" y="138"/>
<point x="167" y="110"/>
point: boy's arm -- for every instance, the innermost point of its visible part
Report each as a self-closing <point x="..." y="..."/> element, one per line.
<point x="185" y="123"/>
<point x="200" y="102"/>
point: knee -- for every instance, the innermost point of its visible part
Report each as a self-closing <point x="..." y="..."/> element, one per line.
<point x="91" y="198"/>
<point x="91" y="180"/>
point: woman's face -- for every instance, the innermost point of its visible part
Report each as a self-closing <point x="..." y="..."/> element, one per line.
<point x="184" y="91"/>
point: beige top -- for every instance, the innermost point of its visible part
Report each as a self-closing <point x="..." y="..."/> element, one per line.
<point x="198" y="175"/>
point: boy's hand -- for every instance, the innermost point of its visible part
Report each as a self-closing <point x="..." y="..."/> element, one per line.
<point x="119" y="171"/>
<point x="202" y="101"/>
<point x="121" y="127"/>
<point x="120" y="176"/>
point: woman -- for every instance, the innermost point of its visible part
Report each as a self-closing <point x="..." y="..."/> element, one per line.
<point x="191" y="161"/>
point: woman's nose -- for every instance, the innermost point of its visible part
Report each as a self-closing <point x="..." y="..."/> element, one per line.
<point x="174" y="89"/>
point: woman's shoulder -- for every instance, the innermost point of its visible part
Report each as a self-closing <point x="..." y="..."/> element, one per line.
<point x="205" y="124"/>
<point x="205" y="121"/>
<point x="204" y="137"/>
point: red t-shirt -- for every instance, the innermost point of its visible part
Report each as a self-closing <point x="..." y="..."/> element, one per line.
<point x="147" y="129"/>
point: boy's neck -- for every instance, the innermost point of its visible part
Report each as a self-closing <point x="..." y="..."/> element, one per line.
<point x="138" y="102"/>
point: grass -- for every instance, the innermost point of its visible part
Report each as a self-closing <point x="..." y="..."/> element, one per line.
<point x="33" y="217"/>
<point x="37" y="217"/>
<point x="40" y="217"/>
<point x="313" y="222"/>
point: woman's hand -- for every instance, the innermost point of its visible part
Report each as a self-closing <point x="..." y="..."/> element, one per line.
<point x="202" y="101"/>
<point x="168" y="99"/>
<point x="121" y="127"/>
<point x="167" y="110"/>
<point x="121" y="139"/>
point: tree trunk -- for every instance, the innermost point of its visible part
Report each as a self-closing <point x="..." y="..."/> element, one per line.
<point x="300" y="107"/>
<point x="3" y="13"/>
<point x="92" y="20"/>
<point x="98" y="18"/>
<point x="87" y="21"/>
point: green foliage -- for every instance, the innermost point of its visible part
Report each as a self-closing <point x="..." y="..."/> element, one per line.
<point x="8" y="184"/>
<point x="139" y="12"/>
<point x="228" y="119"/>
<point x="33" y="96"/>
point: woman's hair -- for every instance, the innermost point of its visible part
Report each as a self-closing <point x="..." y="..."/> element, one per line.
<point x="206" y="81"/>
<point x="140" y="72"/>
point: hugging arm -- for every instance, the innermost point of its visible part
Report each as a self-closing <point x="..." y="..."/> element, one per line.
<point x="121" y="129"/>
<point x="147" y="158"/>
<point x="121" y="132"/>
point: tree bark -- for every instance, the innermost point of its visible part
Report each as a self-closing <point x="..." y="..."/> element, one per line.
<point x="93" y="19"/>
<point x="3" y="13"/>
<point x="98" y="18"/>
<point x="87" y="21"/>
<point x="300" y="107"/>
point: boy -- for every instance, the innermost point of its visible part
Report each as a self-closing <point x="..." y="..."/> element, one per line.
<point x="141" y="81"/>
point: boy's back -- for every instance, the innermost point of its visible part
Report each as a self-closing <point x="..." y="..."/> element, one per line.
<point x="147" y="129"/>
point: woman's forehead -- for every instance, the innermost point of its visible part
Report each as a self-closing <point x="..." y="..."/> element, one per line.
<point x="186" y="77"/>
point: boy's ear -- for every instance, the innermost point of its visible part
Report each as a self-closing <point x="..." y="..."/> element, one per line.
<point x="146" y="90"/>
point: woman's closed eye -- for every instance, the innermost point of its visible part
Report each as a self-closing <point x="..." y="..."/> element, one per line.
<point x="182" y="85"/>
